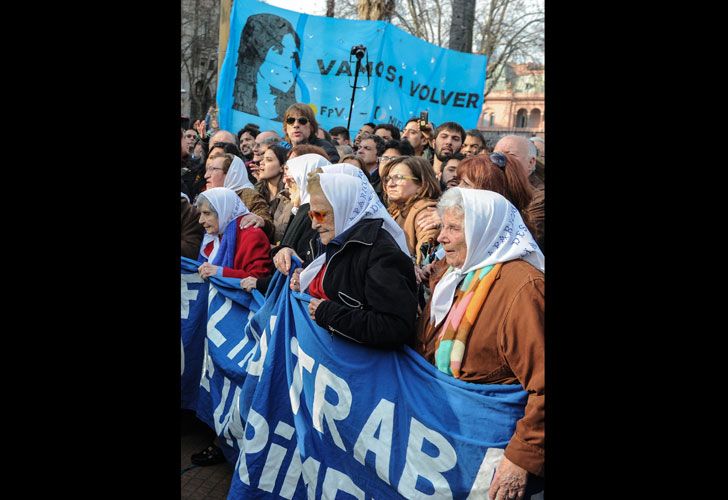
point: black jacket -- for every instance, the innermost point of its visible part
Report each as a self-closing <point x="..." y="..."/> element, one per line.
<point x="299" y="236"/>
<point x="371" y="284"/>
<point x="328" y="147"/>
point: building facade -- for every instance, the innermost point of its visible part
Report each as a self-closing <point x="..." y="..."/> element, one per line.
<point x="516" y="103"/>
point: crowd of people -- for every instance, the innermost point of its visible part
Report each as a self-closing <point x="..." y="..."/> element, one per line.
<point x="430" y="237"/>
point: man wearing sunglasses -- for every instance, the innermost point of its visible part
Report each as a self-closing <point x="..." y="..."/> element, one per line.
<point x="300" y="127"/>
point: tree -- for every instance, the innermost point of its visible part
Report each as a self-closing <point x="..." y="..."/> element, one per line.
<point x="199" y="44"/>
<point x="330" y="4"/>
<point x="461" y="25"/>
<point x="375" y="10"/>
<point x="509" y="31"/>
<point x="504" y="30"/>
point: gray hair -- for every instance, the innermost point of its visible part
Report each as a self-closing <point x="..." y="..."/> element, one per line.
<point x="344" y="150"/>
<point x="232" y="139"/>
<point x="532" y="150"/>
<point x="271" y="139"/>
<point x="452" y="199"/>
<point x="535" y="139"/>
<point x="201" y="198"/>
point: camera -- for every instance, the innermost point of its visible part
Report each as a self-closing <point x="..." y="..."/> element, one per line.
<point x="358" y="51"/>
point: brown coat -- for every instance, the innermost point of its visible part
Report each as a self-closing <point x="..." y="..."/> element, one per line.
<point x="408" y="222"/>
<point x="257" y="204"/>
<point x="507" y="347"/>
<point x="191" y="230"/>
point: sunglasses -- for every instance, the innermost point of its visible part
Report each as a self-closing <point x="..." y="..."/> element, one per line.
<point x="318" y="215"/>
<point x="499" y="159"/>
<point x="302" y="120"/>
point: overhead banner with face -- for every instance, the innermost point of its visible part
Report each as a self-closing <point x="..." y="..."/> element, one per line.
<point x="276" y="57"/>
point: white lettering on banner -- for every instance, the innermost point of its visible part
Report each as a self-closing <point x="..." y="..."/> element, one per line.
<point x="273" y="462"/>
<point x="324" y="409"/>
<point x="275" y="457"/>
<point x="233" y="428"/>
<point x="309" y="470"/>
<point x="183" y="356"/>
<point x="208" y="370"/>
<point x="259" y="425"/>
<point x="335" y="481"/>
<point x="381" y="418"/>
<point x="419" y="463"/>
<point x="255" y="368"/>
<point x="187" y="294"/>
<point x="485" y="474"/>
<point x="221" y="420"/>
<point x="303" y="360"/>
<point x="238" y="347"/>
<point x="213" y="333"/>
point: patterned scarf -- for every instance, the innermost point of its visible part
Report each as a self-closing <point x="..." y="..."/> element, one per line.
<point x="451" y="344"/>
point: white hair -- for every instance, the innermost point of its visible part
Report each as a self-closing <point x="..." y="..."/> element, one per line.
<point x="452" y="199"/>
<point x="201" y="201"/>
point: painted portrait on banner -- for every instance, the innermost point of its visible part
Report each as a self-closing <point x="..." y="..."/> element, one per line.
<point x="267" y="67"/>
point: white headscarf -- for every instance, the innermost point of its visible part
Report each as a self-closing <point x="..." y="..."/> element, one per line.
<point x="389" y="223"/>
<point x="494" y="232"/>
<point x="353" y="199"/>
<point x="237" y="176"/>
<point x="299" y="168"/>
<point x="229" y="207"/>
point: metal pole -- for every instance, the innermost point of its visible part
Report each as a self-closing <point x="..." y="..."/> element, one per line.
<point x="353" y="90"/>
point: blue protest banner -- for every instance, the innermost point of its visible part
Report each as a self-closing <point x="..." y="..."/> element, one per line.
<point x="276" y="57"/>
<point x="227" y="349"/>
<point x="317" y="415"/>
<point x="193" y="330"/>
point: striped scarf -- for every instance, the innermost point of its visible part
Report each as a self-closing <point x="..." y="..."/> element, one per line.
<point x="450" y="345"/>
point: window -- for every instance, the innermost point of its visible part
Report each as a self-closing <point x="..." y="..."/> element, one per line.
<point x="521" y="118"/>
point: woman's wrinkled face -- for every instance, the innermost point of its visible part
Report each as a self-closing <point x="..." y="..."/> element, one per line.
<point x="270" y="167"/>
<point x="214" y="173"/>
<point x="452" y="237"/>
<point x="322" y="217"/>
<point x="209" y="219"/>
<point x="400" y="190"/>
<point x="290" y="182"/>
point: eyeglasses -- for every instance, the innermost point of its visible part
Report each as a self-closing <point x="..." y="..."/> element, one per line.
<point x="302" y="120"/>
<point x="499" y="159"/>
<point x="210" y="169"/>
<point x="318" y="215"/>
<point x="387" y="159"/>
<point x="397" y="178"/>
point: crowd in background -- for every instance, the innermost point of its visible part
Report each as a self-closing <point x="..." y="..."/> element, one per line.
<point x="430" y="236"/>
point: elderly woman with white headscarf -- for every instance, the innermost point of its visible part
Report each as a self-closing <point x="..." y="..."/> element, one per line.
<point x="485" y="321"/>
<point x="228" y="170"/>
<point x="363" y="284"/>
<point x="299" y="238"/>
<point x="229" y="251"/>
